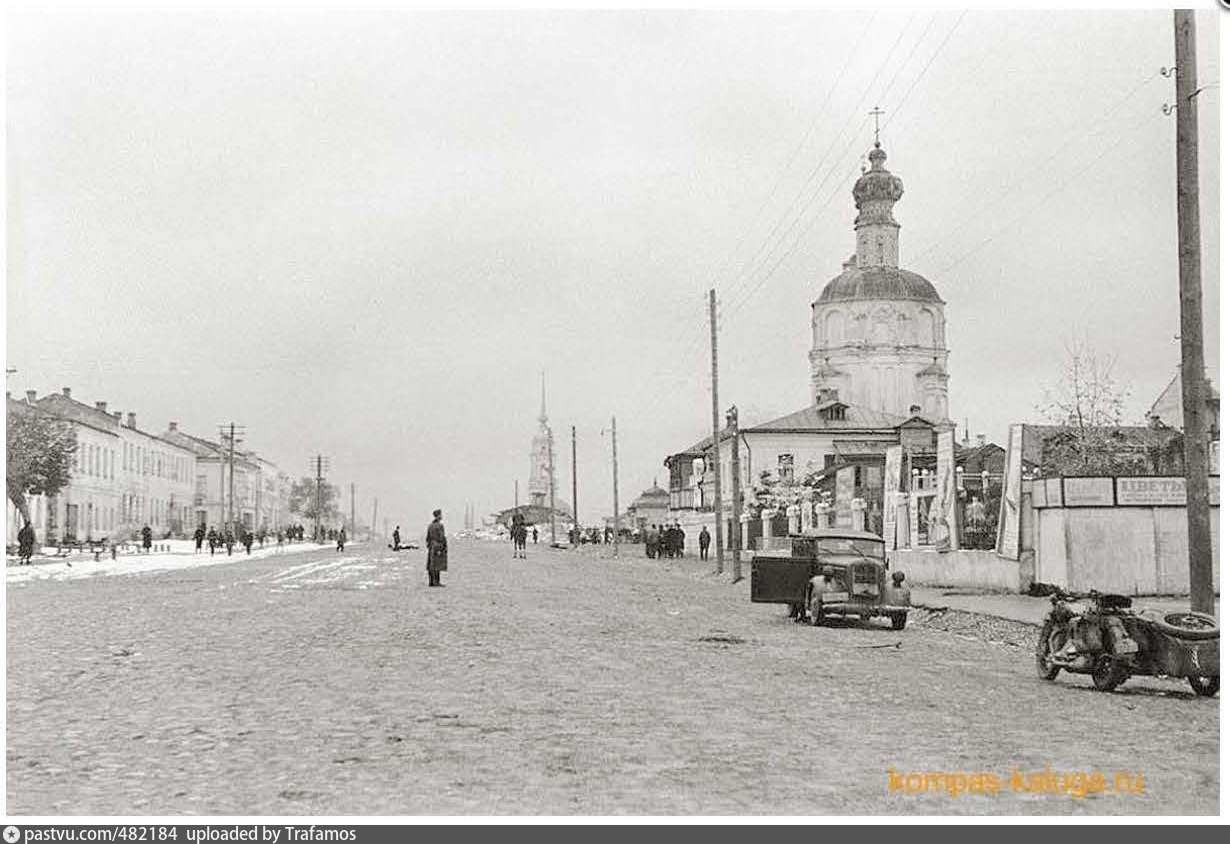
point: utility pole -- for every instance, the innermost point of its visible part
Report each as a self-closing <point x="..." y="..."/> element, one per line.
<point x="1191" y="317"/>
<point x="736" y="497"/>
<point x="371" y="534"/>
<point x="717" y="435"/>
<point x="226" y="511"/>
<point x="615" y="484"/>
<point x="551" y="473"/>
<point x="576" y="518"/>
<point x="320" y="464"/>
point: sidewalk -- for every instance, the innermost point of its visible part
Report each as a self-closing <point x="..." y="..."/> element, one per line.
<point x="1023" y="608"/>
<point x="182" y="556"/>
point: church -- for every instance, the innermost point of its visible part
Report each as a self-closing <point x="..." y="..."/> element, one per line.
<point x="878" y="372"/>
<point x="541" y="480"/>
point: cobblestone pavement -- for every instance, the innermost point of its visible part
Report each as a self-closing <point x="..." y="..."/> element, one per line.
<point x="339" y="684"/>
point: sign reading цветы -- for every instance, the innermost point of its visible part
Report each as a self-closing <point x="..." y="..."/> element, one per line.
<point x="1160" y="491"/>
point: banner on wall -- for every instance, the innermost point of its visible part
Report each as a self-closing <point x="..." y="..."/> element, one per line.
<point x="944" y="505"/>
<point x="892" y="484"/>
<point x="844" y="512"/>
<point x="1008" y="543"/>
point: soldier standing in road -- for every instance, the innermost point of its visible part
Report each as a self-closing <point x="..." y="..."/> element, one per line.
<point x="397" y="538"/>
<point x="228" y="539"/>
<point x="437" y="549"/>
<point x="212" y="538"/>
<point x="703" y="539"/>
<point x="199" y="536"/>
<point x="341" y="539"/>
<point x="25" y="545"/>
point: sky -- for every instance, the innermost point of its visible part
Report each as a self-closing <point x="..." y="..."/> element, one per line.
<point x="364" y="235"/>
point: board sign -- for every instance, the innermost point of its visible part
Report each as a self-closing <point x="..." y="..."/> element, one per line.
<point x="1088" y="492"/>
<point x="892" y="481"/>
<point x="1039" y="493"/>
<point x="1161" y="492"/>
<point x="1054" y="492"/>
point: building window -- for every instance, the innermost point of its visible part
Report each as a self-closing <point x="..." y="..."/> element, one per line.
<point x="785" y="467"/>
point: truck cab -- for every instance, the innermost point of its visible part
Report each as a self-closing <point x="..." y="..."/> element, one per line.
<point x="831" y="572"/>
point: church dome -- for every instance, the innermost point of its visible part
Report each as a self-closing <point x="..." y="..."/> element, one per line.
<point x="876" y="191"/>
<point x="878" y="283"/>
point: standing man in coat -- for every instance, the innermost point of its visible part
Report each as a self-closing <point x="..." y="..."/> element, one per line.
<point x="147" y="538"/>
<point x="703" y="539"/>
<point x="25" y="545"/>
<point x="397" y="538"/>
<point x="199" y="536"/>
<point x="437" y="549"/>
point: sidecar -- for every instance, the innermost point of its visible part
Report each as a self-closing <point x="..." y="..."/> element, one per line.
<point x="1112" y="642"/>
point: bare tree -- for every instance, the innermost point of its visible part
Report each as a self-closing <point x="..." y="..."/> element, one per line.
<point x="1086" y="405"/>
<point x="39" y="452"/>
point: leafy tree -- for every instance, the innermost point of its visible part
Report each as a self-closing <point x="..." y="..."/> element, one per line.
<point x="39" y="457"/>
<point x="303" y="500"/>
<point x="1087" y="406"/>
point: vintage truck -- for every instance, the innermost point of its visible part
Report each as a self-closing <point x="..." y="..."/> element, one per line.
<point x="831" y="572"/>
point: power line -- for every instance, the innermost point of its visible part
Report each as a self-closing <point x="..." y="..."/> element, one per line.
<point x="756" y="261"/>
<point x="1063" y="147"/>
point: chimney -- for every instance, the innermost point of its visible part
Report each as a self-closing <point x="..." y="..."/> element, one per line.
<point x="172" y="426"/>
<point x="68" y="392"/>
<point x="117" y="416"/>
<point x="132" y="420"/>
<point x="982" y="440"/>
<point x="915" y="410"/>
<point x="101" y="405"/>
<point x="30" y="394"/>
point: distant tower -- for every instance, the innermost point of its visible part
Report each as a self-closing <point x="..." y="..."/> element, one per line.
<point x="878" y="330"/>
<point x="540" y="456"/>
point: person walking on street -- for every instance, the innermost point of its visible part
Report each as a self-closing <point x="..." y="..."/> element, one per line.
<point x="147" y="538"/>
<point x="437" y="549"/>
<point x="228" y="539"/>
<point x="280" y="539"/>
<point x="247" y="540"/>
<point x="652" y="539"/>
<point x="25" y="545"/>
<point x="199" y="536"/>
<point x="341" y="539"/>
<point x="213" y="539"/>
<point x="703" y="539"/>
<point x="397" y="538"/>
<point x="535" y="534"/>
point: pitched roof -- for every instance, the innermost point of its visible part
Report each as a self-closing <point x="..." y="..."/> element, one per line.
<point x="857" y="418"/>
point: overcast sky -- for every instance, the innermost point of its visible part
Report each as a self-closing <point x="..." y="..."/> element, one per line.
<point x="364" y="235"/>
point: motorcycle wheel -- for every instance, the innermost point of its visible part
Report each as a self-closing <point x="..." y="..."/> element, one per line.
<point x="1108" y="674"/>
<point x="1047" y="670"/>
<point x="1188" y="624"/>
<point x="1205" y="686"/>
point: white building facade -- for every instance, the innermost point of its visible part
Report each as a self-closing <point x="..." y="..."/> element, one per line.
<point x="878" y="332"/>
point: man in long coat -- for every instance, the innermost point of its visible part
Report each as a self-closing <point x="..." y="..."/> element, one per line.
<point x="25" y="544"/>
<point x="437" y="550"/>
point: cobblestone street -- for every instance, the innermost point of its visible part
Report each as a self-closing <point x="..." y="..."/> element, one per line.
<point x="328" y="683"/>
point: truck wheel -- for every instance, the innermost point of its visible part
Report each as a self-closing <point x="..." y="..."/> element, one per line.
<point x="1108" y="674"/>
<point x="1205" y="686"/>
<point x="898" y="620"/>
<point x="1047" y="670"/>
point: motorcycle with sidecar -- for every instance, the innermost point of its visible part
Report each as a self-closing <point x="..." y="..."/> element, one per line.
<point x="1101" y="635"/>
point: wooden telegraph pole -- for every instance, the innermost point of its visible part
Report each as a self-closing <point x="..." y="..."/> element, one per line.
<point x="1191" y="317"/>
<point x="717" y="436"/>
<point x="371" y="534"/>
<point x="576" y="518"/>
<point x="736" y="498"/>
<point x="551" y="474"/>
<point x="615" y="484"/>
